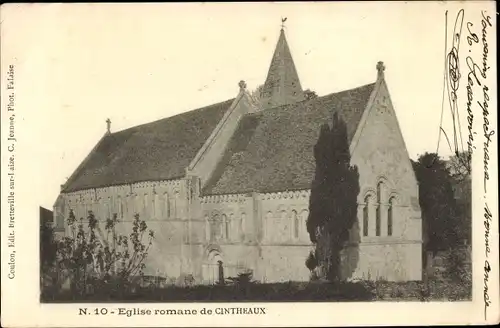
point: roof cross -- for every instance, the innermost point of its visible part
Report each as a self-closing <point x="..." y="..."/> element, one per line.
<point x="108" y="128"/>
<point x="380" y="69"/>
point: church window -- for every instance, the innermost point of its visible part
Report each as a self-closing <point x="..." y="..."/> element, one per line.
<point x="243" y="225"/>
<point x="285" y="224"/>
<point x="378" y="214"/>
<point x="145" y="204"/>
<point x="126" y="206"/>
<point x="157" y="206"/>
<point x="390" y="217"/>
<point x="137" y="204"/>
<point x="215" y="228"/>
<point x="153" y="205"/>
<point x="109" y="211"/>
<point x="166" y="206"/>
<point x="231" y="226"/>
<point x="173" y="209"/>
<point x="186" y="232"/>
<point x="225" y="222"/>
<point x="304" y="214"/>
<point x="207" y="228"/>
<point x="366" y="215"/>
<point x="295" y="224"/>
<point x="120" y="207"/>
<point x="377" y="221"/>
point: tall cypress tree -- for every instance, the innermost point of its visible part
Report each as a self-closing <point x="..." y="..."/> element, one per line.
<point x="333" y="201"/>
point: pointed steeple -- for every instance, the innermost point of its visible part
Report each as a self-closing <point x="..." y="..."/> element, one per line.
<point x="282" y="84"/>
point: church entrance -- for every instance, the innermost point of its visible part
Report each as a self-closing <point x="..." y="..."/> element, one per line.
<point x="213" y="269"/>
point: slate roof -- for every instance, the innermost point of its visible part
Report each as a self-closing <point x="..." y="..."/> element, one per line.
<point x="272" y="150"/>
<point x="159" y="150"/>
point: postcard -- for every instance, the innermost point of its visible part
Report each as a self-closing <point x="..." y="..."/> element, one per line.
<point x="249" y="164"/>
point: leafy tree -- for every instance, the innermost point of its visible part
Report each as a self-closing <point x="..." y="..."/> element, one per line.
<point x="309" y="94"/>
<point x="257" y="94"/>
<point x="437" y="203"/>
<point x="459" y="167"/>
<point x="48" y="255"/>
<point x="92" y="259"/>
<point x="333" y="201"/>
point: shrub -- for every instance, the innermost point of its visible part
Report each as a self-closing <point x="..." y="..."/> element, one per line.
<point x="96" y="261"/>
<point x="311" y="262"/>
<point x="456" y="266"/>
<point x="243" y="279"/>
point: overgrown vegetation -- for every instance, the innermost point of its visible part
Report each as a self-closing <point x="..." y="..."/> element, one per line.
<point x="333" y="201"/>
<point x="442" y="225"/>
<point x="89" y="258"/>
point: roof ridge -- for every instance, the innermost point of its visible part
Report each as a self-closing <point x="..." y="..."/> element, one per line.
<point x="171" y="117"/>
<point x="314" y="99"/>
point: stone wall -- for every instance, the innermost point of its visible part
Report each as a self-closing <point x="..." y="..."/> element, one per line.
<point x="389" y="189"/>
<point x="164" y="205"/>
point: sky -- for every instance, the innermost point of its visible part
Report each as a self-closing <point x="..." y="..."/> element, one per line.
<point x="79" y="64"/>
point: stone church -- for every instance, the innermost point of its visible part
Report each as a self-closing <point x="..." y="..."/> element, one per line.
<point x="230" y="183"/>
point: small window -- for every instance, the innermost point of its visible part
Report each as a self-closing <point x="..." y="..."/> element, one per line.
<point x="153" y="201"/>
<point x="120" y="207"/>
<point x="295" y="225"/>
<point x="214" y="228"/>
<point x="378" y="218"/>
<point x="225" y="221"/>
<point x="145" y="205"/>
<point x="166" y="207"/>
<point x="243" y="225"/>
<point x="365" y="220"/>
<point x="390" y="217"/>
<point x="377" y="221"/>
<point x="366" y="215"/>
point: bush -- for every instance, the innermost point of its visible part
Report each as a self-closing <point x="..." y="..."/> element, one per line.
<point x="456" y="266"/>
<point x="93" y="261"/>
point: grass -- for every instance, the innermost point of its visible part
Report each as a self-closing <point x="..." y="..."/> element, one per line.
<point x="435" y="290"/>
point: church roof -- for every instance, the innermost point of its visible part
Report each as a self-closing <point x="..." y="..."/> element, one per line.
<point x="159" y="150"/>
<point x="272" y="150"/>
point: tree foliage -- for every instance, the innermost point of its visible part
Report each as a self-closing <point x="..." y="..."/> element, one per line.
<point x="333" y="201"/>
<point x="257" y="94"/>
<point x="443" y="227"/>
<point x="48" y="255"/>
<point x="91" y="258"/>
<point x="309" y="94"/>
<point x="459" y="165"/>
<point x="311" y="261"/>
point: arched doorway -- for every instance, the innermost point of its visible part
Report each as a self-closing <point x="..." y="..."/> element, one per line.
<point x="213" y="269"/>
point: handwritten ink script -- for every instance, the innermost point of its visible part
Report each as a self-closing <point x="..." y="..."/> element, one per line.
<point x="477" y="91"/>
<point x="479" y="73"/>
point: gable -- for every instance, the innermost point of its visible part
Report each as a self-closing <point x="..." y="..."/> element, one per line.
<point x="214" y="147"/>
<point x="160" y="150"/>
<point x="380" y="153"/>
<point x="273" y="150"/>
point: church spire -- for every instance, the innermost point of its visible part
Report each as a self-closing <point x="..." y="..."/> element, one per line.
<point x="282" y="84"/>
